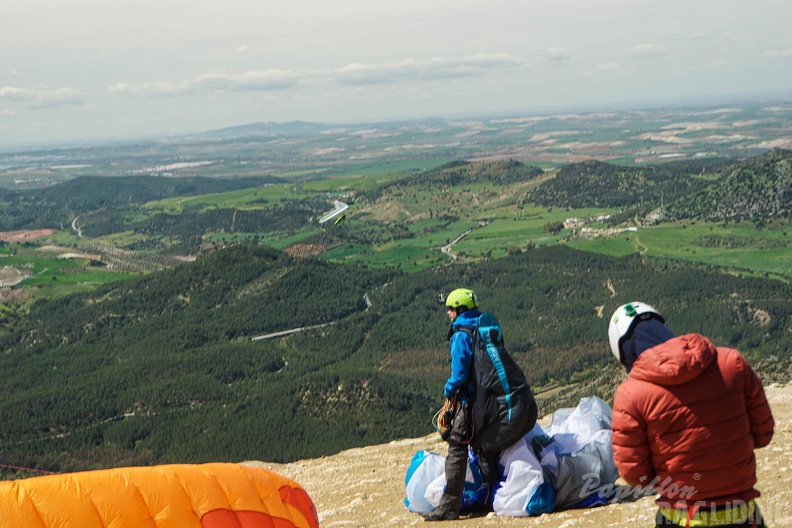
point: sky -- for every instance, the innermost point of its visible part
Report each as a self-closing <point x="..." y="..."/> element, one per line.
<point x="96" y="70"/>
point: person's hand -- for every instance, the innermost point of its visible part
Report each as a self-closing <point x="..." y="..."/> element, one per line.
<point x="446" y="417"/>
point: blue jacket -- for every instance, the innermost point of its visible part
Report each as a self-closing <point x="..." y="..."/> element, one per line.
<point x="462" y="355"/>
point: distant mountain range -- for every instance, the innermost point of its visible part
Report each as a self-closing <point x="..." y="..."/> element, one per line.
<point x="269" y="129"/>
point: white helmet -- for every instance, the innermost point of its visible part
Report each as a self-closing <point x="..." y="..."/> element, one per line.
<point x="624" y="319"/>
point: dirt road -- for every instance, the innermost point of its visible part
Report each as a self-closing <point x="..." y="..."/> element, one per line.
<point x="446" y="250"/>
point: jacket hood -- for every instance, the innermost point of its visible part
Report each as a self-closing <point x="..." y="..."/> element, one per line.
<point x="676" y="361"/>
<point x="645" y="334"/>
<point x="467" y="318"/>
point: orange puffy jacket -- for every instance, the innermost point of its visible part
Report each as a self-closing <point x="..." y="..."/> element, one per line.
<point x="687" y="421"/>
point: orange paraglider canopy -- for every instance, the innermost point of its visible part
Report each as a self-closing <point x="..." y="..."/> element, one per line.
<point x="216" y="495"/>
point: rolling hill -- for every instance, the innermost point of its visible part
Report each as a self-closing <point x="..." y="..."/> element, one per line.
<point x="248" y="352"/>
<point x="759" y="189"/>
<point x="59" y="204"/>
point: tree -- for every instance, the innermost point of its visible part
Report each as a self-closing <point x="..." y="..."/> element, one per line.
<point x="554" y="227"/>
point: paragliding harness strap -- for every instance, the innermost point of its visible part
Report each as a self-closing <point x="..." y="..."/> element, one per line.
<point x="487" y="326"/>
<point x="729" y="514"/>
<point x="488" y="337"/>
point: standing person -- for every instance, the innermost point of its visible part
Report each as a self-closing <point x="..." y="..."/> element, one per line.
<point x="495" y="406"/>
<point x="686" y="421"/>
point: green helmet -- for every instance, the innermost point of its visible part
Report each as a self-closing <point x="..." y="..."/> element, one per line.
<point x="462" y="297"/>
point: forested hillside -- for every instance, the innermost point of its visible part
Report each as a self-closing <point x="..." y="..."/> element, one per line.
<point x="184" y="232"/>
<point x="59" y="204"/>
<point x="497" y="173"/>
<point x="759" y="188"/>
<point x="411" y="204"/>
<point x="164" y="368"/>
<point x="598" y="184"/>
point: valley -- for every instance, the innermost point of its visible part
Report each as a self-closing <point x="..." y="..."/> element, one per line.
<point x="149" y="316"/>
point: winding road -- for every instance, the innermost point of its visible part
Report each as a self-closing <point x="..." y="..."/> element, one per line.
<point x="287" y="332"/>
<point x="447" y="248"/>
<point x="76" y="228"/>
<point x="294" y="330"/>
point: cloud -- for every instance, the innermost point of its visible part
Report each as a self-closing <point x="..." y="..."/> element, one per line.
<point x="157" y="89"/>
<point x="611" y="67"/>
<point x="39" y="98"/>
<point x="14" y="93"/>
<point x="556" y="56"/>
<point x="260" y="81"/>
<point x="704" y="36"/>
<point x="645" y="51"/>
<point x="778" y="54"/>
<point x="351" y="74"/>
<point x="266" y="80"/>
<point x="242" y="49"/>
<point x="431" y="69"/>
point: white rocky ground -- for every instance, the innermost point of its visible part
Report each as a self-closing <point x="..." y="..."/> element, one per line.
<point x="365" y="487"/>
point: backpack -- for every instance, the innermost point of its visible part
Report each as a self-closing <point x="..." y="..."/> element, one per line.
<point x="504" y="408"/>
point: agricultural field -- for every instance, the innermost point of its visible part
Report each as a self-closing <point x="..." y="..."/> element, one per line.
<point x="400" y="216"/>
<point x="256" y="198"/>
<point x="48" y="274"/>
<point x="766" y="252"/>
<point x="407" y="227"/>
<point x="742" y="247"/>
<point x="300" y="152"/>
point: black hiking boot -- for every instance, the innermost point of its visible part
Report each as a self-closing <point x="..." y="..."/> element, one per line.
<point x="440" y="515"/>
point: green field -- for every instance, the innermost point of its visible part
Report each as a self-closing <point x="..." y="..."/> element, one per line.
<point x="256" y="198"/>
<point x="345" y="181"/>
<point x="390" y="170"/>
<point x="51" y="277"/>
<point x="766" y="251"/>
<point x="400" y="256"/>
<point x="280" y="241"/>
<point x="401" y="215"/>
